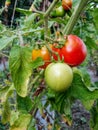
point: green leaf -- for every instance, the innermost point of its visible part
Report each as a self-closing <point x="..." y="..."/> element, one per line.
<point x="6" y="113"/>
<point x="22" y="122"/>
<point x="94" y="116"/>
<point x="58" y="20"/>
<point x="91" y="43"/>
<point x="37" y="3"/>
<point x="86" y="77"/>
<point x="32" y="124"/>
<point x="30" y="20"/>
<point x="59" y="102"/>
<point x="38" y="62"/>
<point x="6" y="92"/>
<point x="24" y="11"/>
<point x="78" y="90"/>
<point x="20" y="63"/>
<point x="31" y="31"/>
<point x="6" y="41"/>
<point x="24" y="104"/>
<point x="14" y="117"/>
<point x="95" y="16"/>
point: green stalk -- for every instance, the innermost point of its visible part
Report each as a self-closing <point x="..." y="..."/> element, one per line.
<point x="50" y="8"/>
<point x="46" y="15"/>
<point x="75" y="15"/>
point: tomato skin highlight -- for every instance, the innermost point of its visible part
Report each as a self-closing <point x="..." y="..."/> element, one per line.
<point x="67" y="4"/>
<point x="43" y="53"/>
<point x="58" y="76"/>
<point x="73" y="52"/>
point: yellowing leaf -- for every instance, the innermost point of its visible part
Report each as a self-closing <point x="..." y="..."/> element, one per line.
<point x="6" y="113"/>
<point x="21" y="68"/>
<point x="22" y="122"/>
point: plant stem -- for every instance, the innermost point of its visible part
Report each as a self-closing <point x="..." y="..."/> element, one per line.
<point x="4" y="55"/>
<point x="13" y="13"/>
<point x="46" y="15"/>
<point x="20" y="38"/>
<point x="36" y="78"/>
<point x="50" y="8"/>
<point x="73" y="19"/>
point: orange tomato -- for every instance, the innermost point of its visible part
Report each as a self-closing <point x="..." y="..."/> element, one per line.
<point x="43" y="53"/>
<point x="67" y="4"/>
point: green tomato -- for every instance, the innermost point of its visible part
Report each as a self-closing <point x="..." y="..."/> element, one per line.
<point x="58" y="12"/>
<point x="58" y="76"/>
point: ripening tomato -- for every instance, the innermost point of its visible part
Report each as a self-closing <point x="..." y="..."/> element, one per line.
<point x="73" y="52"/>
<point x="58" y="12"/>
<point x="67" y="4"/>
<point x="43" y="53"/>
<point x="58" y="76"/>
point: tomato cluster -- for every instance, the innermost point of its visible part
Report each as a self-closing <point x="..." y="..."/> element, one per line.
<point x="60" y="11"/>
<point x="59" y="76"/>
<point x="73" y="52"/>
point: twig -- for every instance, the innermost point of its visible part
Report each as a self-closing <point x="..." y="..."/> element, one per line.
<point x="20" y="38"/>
<point x="37" y="77"/>
<point x="49" y="114"/>
<point x="46" y="15"/>
<point x="13" y="13"/>
<point x="4" y="54"/>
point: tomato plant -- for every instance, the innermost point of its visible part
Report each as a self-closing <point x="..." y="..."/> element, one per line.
<point x="67" y="4"/>
<point x="58" y="76"/>
<point x="26" y="102"/>
<point x="43" y="53"/>
<point x="73" y="52"/>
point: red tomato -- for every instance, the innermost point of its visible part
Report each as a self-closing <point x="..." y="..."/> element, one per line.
<point x="73" y="52"/>
<point x="67" y="4"/>
<point x="58" y="50"/>
<point x="43" y="53"/>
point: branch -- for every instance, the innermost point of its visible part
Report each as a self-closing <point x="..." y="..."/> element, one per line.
<point x="20" y="38"/>
<point x="73" y="19"/>
<point x="46" y="16"/>
<point x="50" y="8"/>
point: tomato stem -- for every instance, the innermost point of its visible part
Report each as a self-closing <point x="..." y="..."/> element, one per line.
<point x="50" y="8"/>
<point x="46" y="15"/>
<point x="73" y="19"/>
<point x="36" y="79"/>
